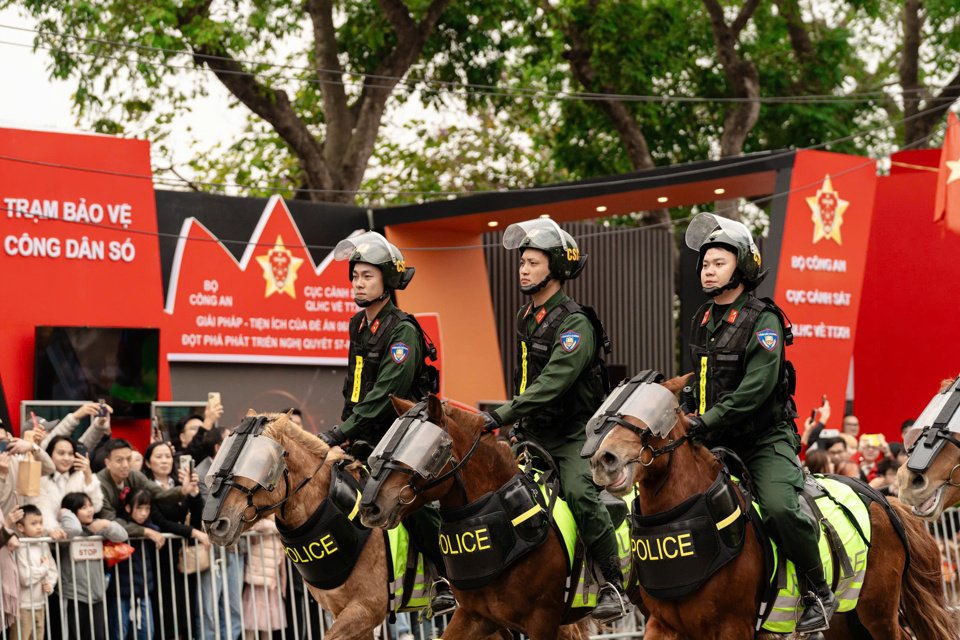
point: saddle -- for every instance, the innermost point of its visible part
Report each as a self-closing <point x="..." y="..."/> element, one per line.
<point x="483" y="538"/>
<point x="715" y="521"/>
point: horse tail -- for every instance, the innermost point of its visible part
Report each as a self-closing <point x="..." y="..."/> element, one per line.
<point x="922" y="600"/>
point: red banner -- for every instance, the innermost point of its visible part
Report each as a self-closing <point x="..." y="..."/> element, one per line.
<point x="79" y="243"/>
<point x="821" y="271"/>
<point x="274" y="305"/>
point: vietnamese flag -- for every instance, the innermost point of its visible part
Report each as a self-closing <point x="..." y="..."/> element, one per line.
<point x="946" y="211"/>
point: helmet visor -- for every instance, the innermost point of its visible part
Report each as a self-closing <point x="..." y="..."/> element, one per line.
<point x="541" y="233"/>
<point x="259" y="460"/>
<point x="424" y="447"/>
<point x="704" y="225"/>
<point x="370" y="247"/>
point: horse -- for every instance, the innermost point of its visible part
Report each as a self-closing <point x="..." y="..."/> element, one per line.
<point x="360" y="604"/>
<point x="725" y="607"/>
<point x="930" y="481"/>
<point x="528" y="596"/>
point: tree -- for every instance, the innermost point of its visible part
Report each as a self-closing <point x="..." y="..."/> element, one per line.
<point x="322" y="104"/>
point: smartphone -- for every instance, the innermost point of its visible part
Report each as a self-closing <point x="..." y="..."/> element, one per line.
<point x="813" y="416"/>
<point x="213" y="398"/>
<point x="872" y="439"/>
<point x="186" y="462"/>
<point x="102" y="412"/>
<point x="824" y="400"/>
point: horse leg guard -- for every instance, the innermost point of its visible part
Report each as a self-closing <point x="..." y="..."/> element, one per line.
<point x="819" y="603"/>
<point x="612" y="601"/>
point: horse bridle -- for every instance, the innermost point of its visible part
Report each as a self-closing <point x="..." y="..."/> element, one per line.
<point x="931" y="434"/>
<point x="938" y="430"/>
<point x="419" y="411"/>
<point x="256" y="426"/>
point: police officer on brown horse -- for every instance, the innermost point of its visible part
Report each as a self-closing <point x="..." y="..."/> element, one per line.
<point x="387" y="351"/>
<point x="743" y="390"/>
<point x="560" y="381"/>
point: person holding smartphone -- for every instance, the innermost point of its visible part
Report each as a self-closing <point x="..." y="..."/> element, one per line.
<point x="814" y="425"/>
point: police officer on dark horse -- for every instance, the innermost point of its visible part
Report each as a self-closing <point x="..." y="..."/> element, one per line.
<point x="560" y="382"/>
<point x="387" y="350"/>
<point x="742" y="394"/>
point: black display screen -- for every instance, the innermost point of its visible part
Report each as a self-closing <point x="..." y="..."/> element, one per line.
<point x="117" y="365"/>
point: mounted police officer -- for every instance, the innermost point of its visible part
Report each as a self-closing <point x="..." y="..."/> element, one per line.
<point x="560" y="381"/>
<point x="387" y="350"/>
<point x="743" y="388"/>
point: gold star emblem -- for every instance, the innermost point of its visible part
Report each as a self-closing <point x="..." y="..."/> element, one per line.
<point x="280" y="269"/>
<point x="954" y="166"/>
<point x="828" y="209"/>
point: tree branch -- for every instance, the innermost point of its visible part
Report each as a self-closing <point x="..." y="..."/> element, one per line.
<point x="340" y="120"/>
<point x="368" y="110"/>
<point x="802" y="47"/>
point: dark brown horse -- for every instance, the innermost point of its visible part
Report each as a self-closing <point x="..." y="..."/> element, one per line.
<point x="725" y="607"/>
<point x="528" y="596"/>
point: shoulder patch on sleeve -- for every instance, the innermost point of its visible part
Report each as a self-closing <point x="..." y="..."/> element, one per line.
<point x="768" y="339"/>
<point x="570" y="340"/>
<point x="399" y="351"/>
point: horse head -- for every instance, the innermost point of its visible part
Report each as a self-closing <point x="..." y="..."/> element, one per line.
<point x="930" y="480"/>
<point x="260" y="469"/>
<point x="633" y="449"/>
<point x="415" y="462"/>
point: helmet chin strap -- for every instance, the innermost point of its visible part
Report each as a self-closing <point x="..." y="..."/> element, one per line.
<point x="713" y="292"/>
<point x="536" y="288"/>
<point x="363" y="304"/>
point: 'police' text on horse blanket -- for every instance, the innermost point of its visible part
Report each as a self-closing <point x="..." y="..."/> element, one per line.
<point x="676" y="551"/>
<point x="481" y="539"/>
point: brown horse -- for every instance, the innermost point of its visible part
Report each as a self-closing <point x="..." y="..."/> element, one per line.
<point x="726" y="606"/>
<point x="528" y="595"/>
<point x="931" y="487"/>
<point x="360" y="604"/>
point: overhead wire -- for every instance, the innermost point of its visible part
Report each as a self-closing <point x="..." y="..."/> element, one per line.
<point x="483" y="89"/>
<point x="738" y="163"/>
<point x="604" y="231"/>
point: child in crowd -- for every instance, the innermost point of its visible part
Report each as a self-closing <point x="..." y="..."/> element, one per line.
<point x="886" y="480"/>
<point x="38" y="575"/>
<point x="83" y="581"/>
<point x="134" y="576"/>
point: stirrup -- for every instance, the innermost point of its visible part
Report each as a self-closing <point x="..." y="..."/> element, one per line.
<point x="431" y="612"/>
<point x="814" y="600"/>
<point x="625" y="606"/>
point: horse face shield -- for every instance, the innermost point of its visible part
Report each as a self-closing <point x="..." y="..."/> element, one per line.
<point x="642" y="398"/>
<point x="934" y="428"/>
<point x="414" y="441"/>
<point x="244" y="454"/>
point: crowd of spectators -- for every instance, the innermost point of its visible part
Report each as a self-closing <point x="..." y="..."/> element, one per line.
<point x="850" y="451"/>
<point x="97" y="485"/>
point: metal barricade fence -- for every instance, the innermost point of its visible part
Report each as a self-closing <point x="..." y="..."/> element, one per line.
<point x="945" y="530"/>
<point x="251" y="592"/>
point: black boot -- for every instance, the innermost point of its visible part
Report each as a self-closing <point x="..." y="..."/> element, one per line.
<point x="442" y="601"/>
<point x="819" y="603"/>
<point x="612" y="601"/>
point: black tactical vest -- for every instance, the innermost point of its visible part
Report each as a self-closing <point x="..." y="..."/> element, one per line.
<point x="720" y="370"/>
<point x="533" y="352"/>
<point x="364" y="362"/>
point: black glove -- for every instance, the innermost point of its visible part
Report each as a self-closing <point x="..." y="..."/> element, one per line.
<point x="697" y="428"/>
<point x="491" y="421"/>
<point x="334" y="437"/>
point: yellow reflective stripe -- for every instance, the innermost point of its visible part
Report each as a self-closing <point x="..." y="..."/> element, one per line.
<point x="703" y="385"/>
<point x="356" y="508"/>
<point x="729" y="519"/>
<point x="532" y="511"/>
<point x="355" y="396"/>
<point x="523" y="366"/>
